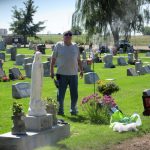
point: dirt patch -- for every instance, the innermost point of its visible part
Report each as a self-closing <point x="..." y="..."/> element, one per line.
<point x="137" y="143"/>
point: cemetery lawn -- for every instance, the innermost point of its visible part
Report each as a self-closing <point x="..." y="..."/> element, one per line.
<point x="84" y="135"/>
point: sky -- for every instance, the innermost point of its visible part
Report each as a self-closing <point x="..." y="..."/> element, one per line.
<point x="57" y="14"/>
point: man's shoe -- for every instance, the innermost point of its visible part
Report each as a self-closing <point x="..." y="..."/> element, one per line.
<point x="60" y="113"/>
<point x="74" y="113"/>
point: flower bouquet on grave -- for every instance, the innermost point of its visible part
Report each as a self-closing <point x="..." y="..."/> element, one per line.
<point x="18" y="119"/>
<point x="51" y="108"/>
<point x="96" y="112"/>
<point x="5" y="79"/>
<point x="21" y="77"/>
<point x="107" y="87"/>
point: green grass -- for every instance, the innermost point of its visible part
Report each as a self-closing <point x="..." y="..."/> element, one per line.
<point x="84" y="136"/>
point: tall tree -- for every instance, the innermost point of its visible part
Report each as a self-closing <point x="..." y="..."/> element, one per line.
<point x="119" y="16"/>
<point x="23" y="21"/>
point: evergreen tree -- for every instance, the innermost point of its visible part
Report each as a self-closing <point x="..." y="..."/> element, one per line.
<point x="23" y="21"/>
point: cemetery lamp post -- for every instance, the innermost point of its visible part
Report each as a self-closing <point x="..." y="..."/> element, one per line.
<point x="146" y="104"/>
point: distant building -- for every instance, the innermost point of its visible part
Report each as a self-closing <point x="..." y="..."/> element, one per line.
<point x="3" y="31"/>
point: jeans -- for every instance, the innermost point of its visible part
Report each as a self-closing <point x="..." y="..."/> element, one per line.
<point x="64" y="81"/>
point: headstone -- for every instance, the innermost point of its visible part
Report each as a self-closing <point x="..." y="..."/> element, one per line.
<point x="108" y="61"/>
<point x="131" y="72"/>
<point x="90" y="78"/>
<point x="83" y="55"/>
<point x="46" y="68"/>
<point x="8" y="51"/>
<point x="121" y="61"/>
<point x="21" y="90"/>
<point x="20" y="59"/>
<point x="130" y="58"/>
<point x="27" y="60"/>
<point x="146" y="92"/>
<point x="86" y="67"/>
<point x="15" y="72"/>
<point x="28" y="68"/>
<point x="139" y="68"/>
<point x="2" y="45"/>
<point x="1" y="63"/>
<point x="2" y="73"/>
<point x="2" y="56"/>
<point x="147" y="54"/>
<point x="146" y="102"/>
<point x="13" y="53"/>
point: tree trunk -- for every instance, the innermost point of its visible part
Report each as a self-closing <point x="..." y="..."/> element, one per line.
<point x="25" y="40"/>
<point x="115" y="33"/>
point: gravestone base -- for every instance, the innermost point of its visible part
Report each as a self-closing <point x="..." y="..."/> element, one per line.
<point x="34" y="140"/>
<point x="39" y="123"/>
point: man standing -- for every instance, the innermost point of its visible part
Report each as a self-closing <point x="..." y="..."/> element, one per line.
<point x="68" y="60"/>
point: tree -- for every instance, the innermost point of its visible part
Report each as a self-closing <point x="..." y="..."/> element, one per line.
<point x="118" y="16"/>
<point x="23" y="21"/>
<point x="76" y="30"/>
<point x="146" y="30"/>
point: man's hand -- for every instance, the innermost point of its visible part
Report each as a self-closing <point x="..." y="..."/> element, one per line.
<point x="81" y="74"/>
<point x="52" y="75"/>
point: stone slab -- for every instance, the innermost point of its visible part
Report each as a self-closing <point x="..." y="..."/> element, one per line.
<point x="39" y="123"/>
<point x="33" y="140"/>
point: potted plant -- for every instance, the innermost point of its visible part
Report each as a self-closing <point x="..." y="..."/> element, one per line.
<point x="95" y="110"/>
<point x="17" y="117"/>
<point x="107" y="87"/>
<point x="51" y="108"/>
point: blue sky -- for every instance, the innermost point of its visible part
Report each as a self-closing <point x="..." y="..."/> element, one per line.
<point x="56" y="13"/>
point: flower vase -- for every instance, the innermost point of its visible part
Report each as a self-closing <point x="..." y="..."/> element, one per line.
<point x="18" y="124"/>
<point x="51" y="109"/>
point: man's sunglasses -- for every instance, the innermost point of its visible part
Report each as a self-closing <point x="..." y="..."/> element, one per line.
<point x="68" y="34"/>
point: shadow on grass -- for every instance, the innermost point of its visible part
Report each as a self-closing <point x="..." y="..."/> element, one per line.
<point x="77" y="118"/>
<point x="61" y="146"/>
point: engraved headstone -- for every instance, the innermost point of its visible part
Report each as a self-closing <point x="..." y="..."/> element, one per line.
<point x="83" y="55"/>
<point x="28" y="68"/>
<point x="130" y="58"/>
<point x="2" y="45"/>
<point x="20" y="59"/>
<point x="139" y="68"/>
<point x="90" y="78"/>
<point x="2" y="56"/>
<point x="27" y="60"/>
<point x="86" y="67"/>
<point x="1" y="63"/>
<point x="131" y="72"/>
<point x="21" y="90"/>
<point x="13" y="53"/>
<point x="121" y="61"/>
<point x="2" y="73"/>
<point x="147" y="69"/>
<point x="46" y="68"/>
<point x="108" y="61"/>
<point x="15" y="72"/>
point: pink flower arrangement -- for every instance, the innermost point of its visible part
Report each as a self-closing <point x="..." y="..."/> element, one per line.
<point x="109" y="101"/>
<point x="90" y="98"/>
